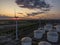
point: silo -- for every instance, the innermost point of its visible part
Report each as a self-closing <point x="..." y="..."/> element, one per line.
<point x="48" y="27"/>
<point x="26" y="41"/>
<point x="44" y="43"/>
<point x="57" y="28"/>
<point x="52" y="36"/>
<point x="38" y="34"/>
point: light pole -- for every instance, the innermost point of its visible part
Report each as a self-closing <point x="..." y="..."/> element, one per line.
<point x="16" y="25"/>
<point x="16" y="28"/>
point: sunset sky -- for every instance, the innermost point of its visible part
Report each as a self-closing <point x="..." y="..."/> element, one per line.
<point x="8" y="8"/>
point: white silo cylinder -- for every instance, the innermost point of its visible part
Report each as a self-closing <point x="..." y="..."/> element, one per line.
<point x="38" y="34"/>
<point x="44" y="43"/>
<point x="48" y="27"/>
<point x="57" y="28"/>
<point x="26" y="41"/>
<point x="52" y="36"/>
<point x="42" y="29"/>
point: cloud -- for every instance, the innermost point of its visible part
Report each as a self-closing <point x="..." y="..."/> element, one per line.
<point x="32" y="3"/>
<point x="35" y="13"/>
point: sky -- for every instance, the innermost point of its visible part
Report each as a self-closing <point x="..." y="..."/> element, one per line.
<point x="9" y="7"/>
